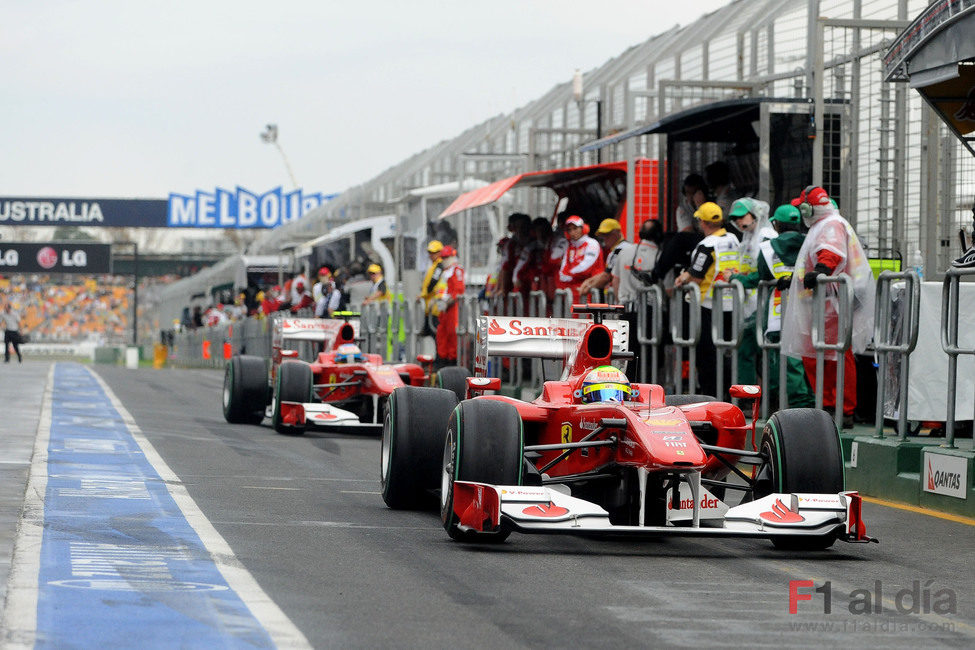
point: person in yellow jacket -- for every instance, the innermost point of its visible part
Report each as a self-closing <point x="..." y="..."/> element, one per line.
<point x="428" y="288"/>
<point x="715" y="258"/>
<point x="378" y="291"/>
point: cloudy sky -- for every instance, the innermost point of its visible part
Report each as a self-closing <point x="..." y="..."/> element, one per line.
<point x="110" y="98"/>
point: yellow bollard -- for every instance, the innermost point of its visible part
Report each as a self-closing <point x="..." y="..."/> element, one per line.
<point x="159" y="355"/>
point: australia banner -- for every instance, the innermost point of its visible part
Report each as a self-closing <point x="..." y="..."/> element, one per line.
<point x="220" y="208"/>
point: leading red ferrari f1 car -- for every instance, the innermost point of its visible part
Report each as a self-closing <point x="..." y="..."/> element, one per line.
<point x="343" y="386"/>
<point x="595" y="454"/>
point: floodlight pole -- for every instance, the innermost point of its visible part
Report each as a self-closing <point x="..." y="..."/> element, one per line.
<point x="579" y="97"/>
<point x="270" y="136"/>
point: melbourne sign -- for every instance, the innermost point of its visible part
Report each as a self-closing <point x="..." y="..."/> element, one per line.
<point x="218" y="209"/>
<point x="240" y="208"/>
<point x="55" y="257"/>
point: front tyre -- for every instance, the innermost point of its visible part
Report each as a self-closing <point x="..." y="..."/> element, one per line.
<point x="484" y="444"/>
<point x="294" y="384"/>
<point x="244" y="390"/>
<point x="414" y="423"/>
<point x="804" y="455"/>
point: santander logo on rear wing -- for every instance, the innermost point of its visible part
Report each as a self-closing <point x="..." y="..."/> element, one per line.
<point x="310" y="329"/>
<point x="537" y="338"/>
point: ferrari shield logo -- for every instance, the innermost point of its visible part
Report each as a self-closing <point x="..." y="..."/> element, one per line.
<point x="566" y="432"/>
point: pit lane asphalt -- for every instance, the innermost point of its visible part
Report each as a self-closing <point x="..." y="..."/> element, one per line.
<point x="304" y="516"/>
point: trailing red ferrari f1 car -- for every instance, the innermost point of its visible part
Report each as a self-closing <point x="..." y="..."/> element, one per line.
<point x="342" y="387"/>
<point x="596" y="454"/>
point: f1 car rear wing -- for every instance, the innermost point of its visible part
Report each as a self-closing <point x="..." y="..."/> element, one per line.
<point x="325" y="330"/>
<point x="537" y="338"/>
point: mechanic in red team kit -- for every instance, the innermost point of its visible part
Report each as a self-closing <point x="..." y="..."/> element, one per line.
<point x="450" y="290"/>
<point x="583" y="257"/>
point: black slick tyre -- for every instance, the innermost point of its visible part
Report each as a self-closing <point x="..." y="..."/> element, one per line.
<point x="454" y="378"/>
<point x="484" y="444"/>
<point x="244" y="390"/>
<point x="293" y="384"/>
<point x="414" y="426"/>
<point x="804" y="455"/>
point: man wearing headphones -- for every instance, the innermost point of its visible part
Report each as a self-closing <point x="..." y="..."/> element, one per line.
<point x="583" y="257"/>
<point x="831" y="248"/>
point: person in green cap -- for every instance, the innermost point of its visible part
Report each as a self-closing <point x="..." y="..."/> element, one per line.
<point x="776" y="260"/>
<point x="750" y="216"/>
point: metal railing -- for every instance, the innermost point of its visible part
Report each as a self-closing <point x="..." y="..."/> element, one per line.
<point x="649" y="319"/>
<point x="888" y="341"/>
<point x="731" y="343"/>
<point x="766" y="293"/>
<point x="949" y="342"/>
<point x="692" y="292"/>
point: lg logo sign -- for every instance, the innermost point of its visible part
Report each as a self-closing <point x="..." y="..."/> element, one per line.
<point x="55" y="257"/>
<point x="47" y="258"/>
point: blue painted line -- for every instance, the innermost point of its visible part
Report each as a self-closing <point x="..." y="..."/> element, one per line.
<point x="120" y="566"/>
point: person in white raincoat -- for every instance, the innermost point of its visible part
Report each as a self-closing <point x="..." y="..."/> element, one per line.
<point x="831" y="248"/>
<point x="751" y="217"/>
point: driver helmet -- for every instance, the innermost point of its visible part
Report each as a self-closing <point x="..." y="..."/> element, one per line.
<point x="605" y="384"/>
<point x="348" y="353"/>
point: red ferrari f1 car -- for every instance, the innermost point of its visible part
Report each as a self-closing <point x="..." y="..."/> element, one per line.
<point x="596" y="454"/>
<point x="342" y="387"/>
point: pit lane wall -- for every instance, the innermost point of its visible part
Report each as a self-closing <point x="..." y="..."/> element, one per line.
<point x="918" y="471"/>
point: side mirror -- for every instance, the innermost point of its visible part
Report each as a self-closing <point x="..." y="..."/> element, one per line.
<point x="424" y="358"/>
<point x="745" y="391"/>
<point x="477" y="385"/>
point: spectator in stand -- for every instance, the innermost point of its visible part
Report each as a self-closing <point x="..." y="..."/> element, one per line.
<point x="714" y="258"/>
<point x="11" y="332"/>
<point x="428" y="288"/>
<point x="751" y="218"/>
<point x="717" y="176"/>
<point x="197" y="316"/>
<point x="831" y="248"/>
<point x="453" y="287"/>
<point x="186" y="320"/>
<point x="329" y="296"/>
<point x="378" y="290"/>
<point x="583" y="257"/>
<point x="694" y="194"/>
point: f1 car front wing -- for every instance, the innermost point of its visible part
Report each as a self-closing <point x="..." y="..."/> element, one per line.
<point x="529" y="509"/>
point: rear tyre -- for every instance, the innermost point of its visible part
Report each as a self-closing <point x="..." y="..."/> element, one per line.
<point x="294" y="384"/>
<point x="805" y="455"/>
<point x="454" y="378"/>
<point x="484" y="444"/>
<point x="244" y="390"/>
<point x="414" y="425"/>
